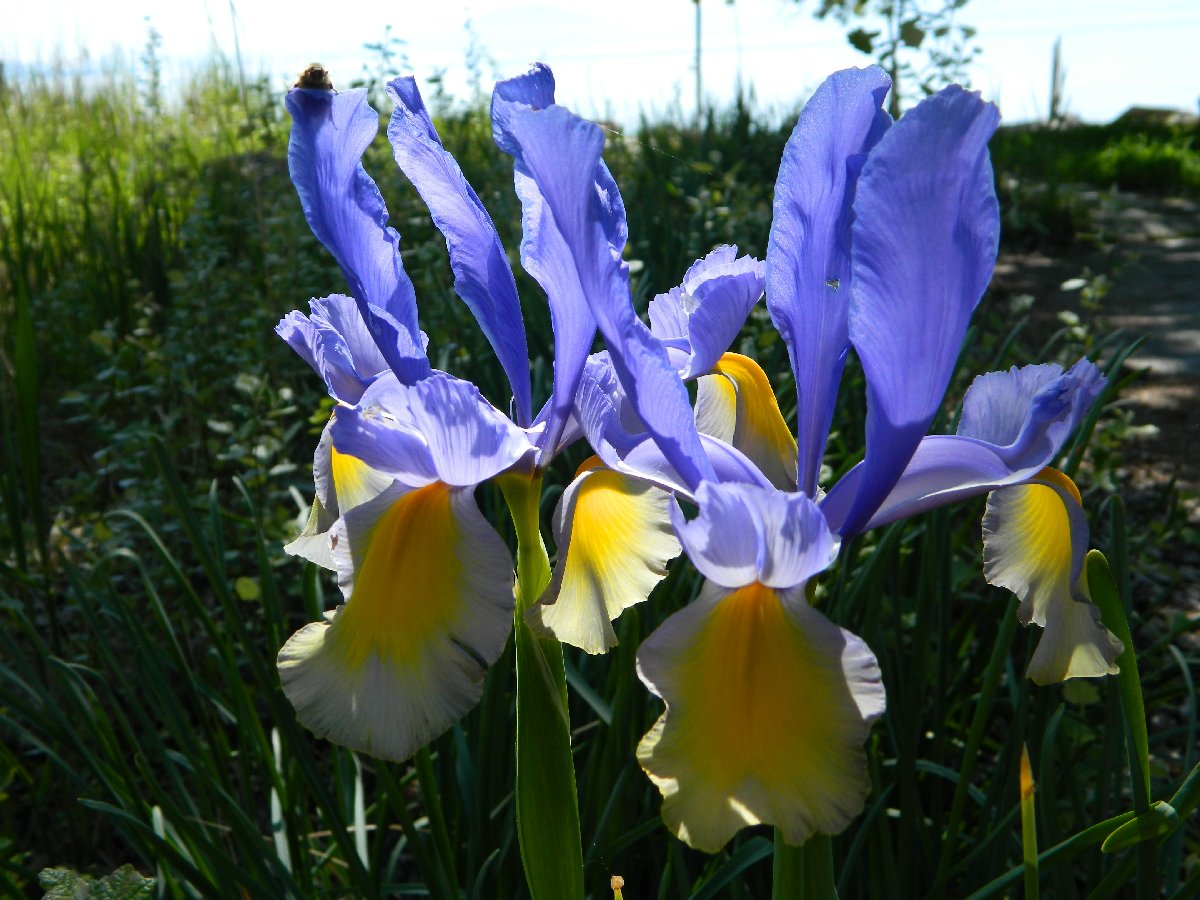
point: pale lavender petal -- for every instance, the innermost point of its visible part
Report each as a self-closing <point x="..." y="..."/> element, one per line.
<point x="336" y="343"/>
<point x="382" y="432"/>
<point x="709" y="308"/>
<point x="469" y="440"/>
<point x="725" y="542"/>
<point x="924" y="236"/>
<point x="1030" y="411"/>
<point x="745" y="534"/>
<point x="808" y="253"/>
<point x="482" y="276"/>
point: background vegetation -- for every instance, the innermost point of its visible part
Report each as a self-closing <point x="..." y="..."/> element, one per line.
<point x="157" y="444"/>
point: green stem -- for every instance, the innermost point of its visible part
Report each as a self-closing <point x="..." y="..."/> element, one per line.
<point x="1107" y="597"/>
<point x="547" y="806"/>
<point x="805" y="872"/>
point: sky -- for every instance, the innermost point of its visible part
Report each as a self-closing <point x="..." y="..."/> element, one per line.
<point x="623" y="57"/>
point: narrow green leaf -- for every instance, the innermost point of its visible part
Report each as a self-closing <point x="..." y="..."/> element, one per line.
<point x="547" y="805"/>
<point x="1160" y="819"/>
<point x="739" y="861"/>
<point x="1129" y="684"/>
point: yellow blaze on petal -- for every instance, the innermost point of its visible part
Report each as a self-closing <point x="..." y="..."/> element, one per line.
<point x="354" y="481"/>
<point x="768" y="706"/>
<point x="745" y="407"/>
<point x="1028" y="549"/>
<point x="615" y="541"/>
<point x="755" y="677"/>
<point x="1040" y="533"/>
<point x="430" y="588"/>
<point x="408" y="586"/>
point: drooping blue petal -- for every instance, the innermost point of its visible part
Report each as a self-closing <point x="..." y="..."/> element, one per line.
<point x="925" y="236"/>
<point x="745" y="533"/>
<point x="726" y="541"/>
<point x="343" y="206"/>
<point x="561" y="153"/>
<point x="482" y="276"/>
<point x="440" y="429"/>
<point x="1013" y="424"/>
<point x="336" y="343"/>
<point x="808" y="253"/>
<point x="706" y="312"/>
<point x="545" y="256"/>
<point x="1032" y="410"/>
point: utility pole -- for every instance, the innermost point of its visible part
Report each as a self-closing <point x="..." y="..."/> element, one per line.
<point x="699" y="91"/>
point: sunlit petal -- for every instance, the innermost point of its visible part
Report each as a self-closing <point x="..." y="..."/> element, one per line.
<point x="1034" y="541"/>
<point x="768" y="707"/>
<point x="746" y="533"/>
<point x="342" y="483"/>
<point x="808" y="254"/>
<point x="561" y="153"/>
<point x="737" y="404"/>
<point x="482" y="275"/>
<point x="1013" y="424"/>
<point x="614" y="541"/>
<point x="347" y="214"/>
<point x="429" y="588"/>
<point x="706" y="312"/>
<point x="544" y="253"/>
<point x="925" y="236"/>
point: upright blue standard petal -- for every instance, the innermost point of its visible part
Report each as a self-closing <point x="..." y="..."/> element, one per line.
<point x="924" y="239"/>
<point x="808" y="253"/>
<point x="345" y="211"/>
<point x="482" y="276"/>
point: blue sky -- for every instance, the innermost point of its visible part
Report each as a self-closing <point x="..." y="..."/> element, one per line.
<point x="622" y="56"/>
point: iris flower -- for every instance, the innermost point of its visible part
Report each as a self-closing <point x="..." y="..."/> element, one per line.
<point x="884" y="238"/>
<point x="428" y="583"/>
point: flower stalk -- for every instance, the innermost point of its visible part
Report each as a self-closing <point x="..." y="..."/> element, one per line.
<point x="547" y="805"/>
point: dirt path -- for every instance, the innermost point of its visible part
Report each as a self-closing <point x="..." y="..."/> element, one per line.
<point x="1149" y="251"/>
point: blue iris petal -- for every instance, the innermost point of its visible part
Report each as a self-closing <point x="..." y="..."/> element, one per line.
<point x="705" y="313"/>
<point x="336" y="343"/>
<point x="482" y="276"/>
<point x="347" y="214"/>
<point x="1013" y="424"/>
<point x="544" y="254"/>
<point x="561" y="154"/>
<point x="808" y="254"/>
<point x="924" y="242"/>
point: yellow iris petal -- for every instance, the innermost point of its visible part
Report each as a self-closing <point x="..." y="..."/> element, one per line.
<point x="614" y="541"/>
<point x="354" y="481"/>
<point x="1028" y="535"/>
<point x="415" y="542"/>
<point x="768" y="706"/>
<point x="738" y="406"/>
<point x="430" y="604"/>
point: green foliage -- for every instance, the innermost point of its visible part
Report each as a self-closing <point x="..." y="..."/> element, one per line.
<point x="157" y="445"/>
<point x="1041" y="170"/>
<point x="123" y="884"/>
<point x="922" y="45"/>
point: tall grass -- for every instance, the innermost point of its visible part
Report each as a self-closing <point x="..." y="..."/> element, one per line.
<point x="157" y="439"/>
